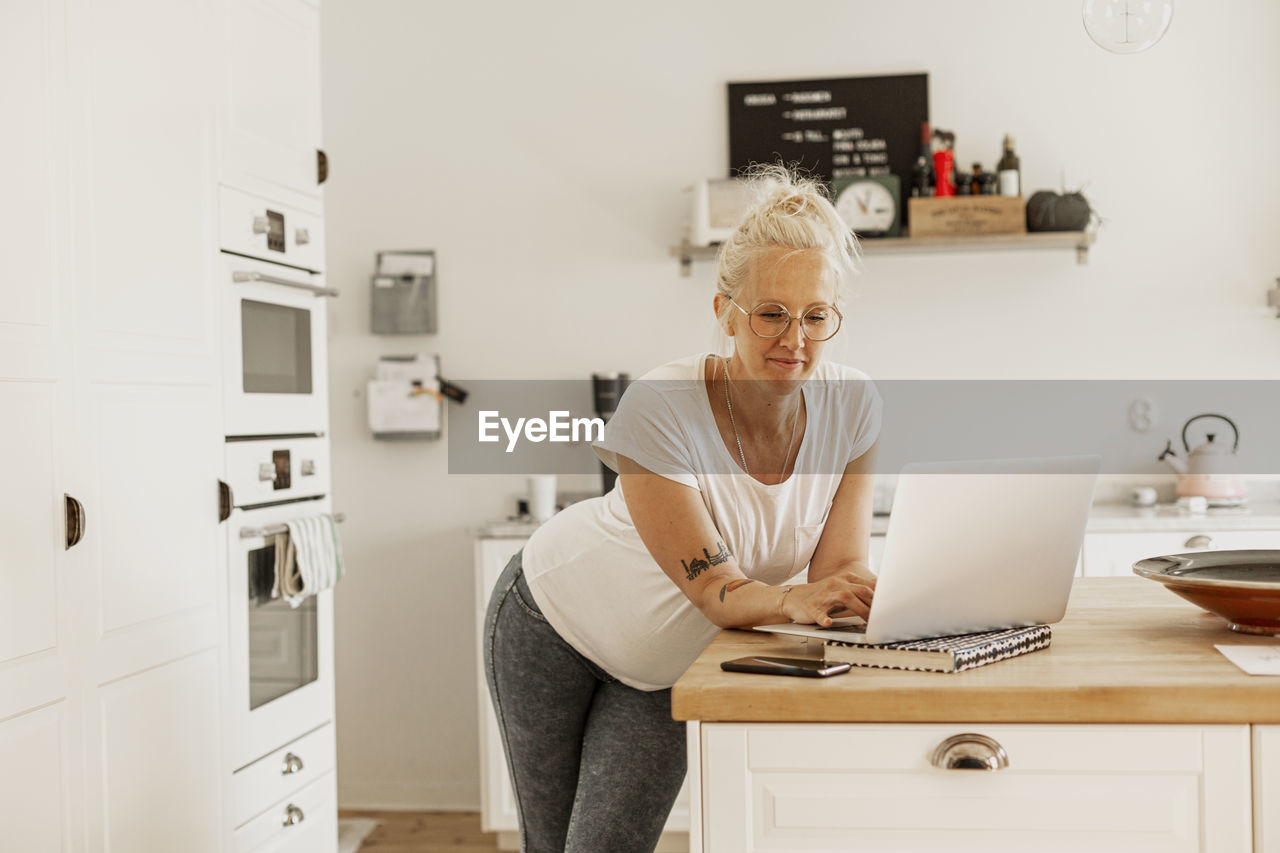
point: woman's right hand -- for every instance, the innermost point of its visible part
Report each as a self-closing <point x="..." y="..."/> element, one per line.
<point x="843" y="594"/>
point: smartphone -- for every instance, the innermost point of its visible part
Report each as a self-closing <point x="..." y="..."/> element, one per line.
<point x="785" y="666"/>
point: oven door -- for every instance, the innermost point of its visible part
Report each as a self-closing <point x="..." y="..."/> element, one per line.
<point x="275" y="357"/>
<point x="281" y="667"/>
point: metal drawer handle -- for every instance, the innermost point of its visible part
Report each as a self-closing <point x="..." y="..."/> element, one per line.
<point x="970" y="751"/>
<point x="242" y="276"/>
<point x="73" y="512"/>
<point x="1200" y="540"/>
<point x="291" y="764"/>
<point x="225" y="501"/>
<point x="292" y="816"/>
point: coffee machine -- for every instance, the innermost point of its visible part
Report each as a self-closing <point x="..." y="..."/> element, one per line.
<point x="607" y="389"/>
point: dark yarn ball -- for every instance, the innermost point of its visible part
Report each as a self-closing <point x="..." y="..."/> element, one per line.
<point x="1050" y="211"/>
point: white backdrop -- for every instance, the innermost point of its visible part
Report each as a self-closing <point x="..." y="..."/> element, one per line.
<point x="542" y="150"/>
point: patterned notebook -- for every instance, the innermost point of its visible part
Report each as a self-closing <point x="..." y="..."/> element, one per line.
<point x="942" y="654"/>
<point x="938" y="654"/>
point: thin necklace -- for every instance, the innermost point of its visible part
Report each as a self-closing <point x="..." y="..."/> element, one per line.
<point x="729" y="405"/>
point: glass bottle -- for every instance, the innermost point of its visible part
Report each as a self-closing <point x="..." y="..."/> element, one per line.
<point x="1009" y="169"/>
<point x="922" y="175"/>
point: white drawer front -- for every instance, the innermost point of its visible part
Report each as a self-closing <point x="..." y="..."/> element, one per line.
<point x="1067" y="788"/>
<point x="265" y="781"/>
<point x="1113" y="554"/>
<point x="315" y="810"/>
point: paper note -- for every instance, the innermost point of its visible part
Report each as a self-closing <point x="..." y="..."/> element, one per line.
<point x="393" y="407"/>
<point x="1255" y="660"/>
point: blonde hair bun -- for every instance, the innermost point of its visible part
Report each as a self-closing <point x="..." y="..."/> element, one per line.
<point x="789" y="210"/>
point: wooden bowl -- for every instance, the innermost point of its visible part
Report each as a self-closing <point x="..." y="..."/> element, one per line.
<point x="1241" y="586"/>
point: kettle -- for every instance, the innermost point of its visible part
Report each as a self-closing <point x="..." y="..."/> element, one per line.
<point x="1210" y="469"/>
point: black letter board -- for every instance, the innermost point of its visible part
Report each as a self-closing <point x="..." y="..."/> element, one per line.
<point x="839" y="128"/>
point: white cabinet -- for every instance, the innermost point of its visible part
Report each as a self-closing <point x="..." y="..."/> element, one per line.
<point x="1266" y="789"/>
<point x="1114" y="553"/>
<point x="497" y="804"/>
<point x="110" y="654"/>
<point x="1066" y="788"/>
<point x="279" y="720"/>
<point x="41" y="803"/>
<point x="270" y="135"/>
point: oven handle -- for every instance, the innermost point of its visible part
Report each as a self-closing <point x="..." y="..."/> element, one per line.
<point x="241" y="276"/>
<point x="273" y="529"/>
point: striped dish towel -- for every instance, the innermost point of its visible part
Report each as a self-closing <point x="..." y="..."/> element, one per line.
<point x="315" y="556"/>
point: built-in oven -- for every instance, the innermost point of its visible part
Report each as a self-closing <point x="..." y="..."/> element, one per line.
<point x="275" y="318"/>
<point x="281" y="667"/>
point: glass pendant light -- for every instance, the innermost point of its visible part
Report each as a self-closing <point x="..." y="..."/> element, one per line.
<point x="1126" y="26"/>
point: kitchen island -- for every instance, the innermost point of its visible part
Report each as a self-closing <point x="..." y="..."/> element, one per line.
<point x="1131" y="732"/>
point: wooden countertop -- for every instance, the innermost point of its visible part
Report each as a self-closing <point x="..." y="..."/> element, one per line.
<point x="1128" y="651"/>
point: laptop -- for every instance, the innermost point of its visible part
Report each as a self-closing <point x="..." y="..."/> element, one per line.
<point x="975" y="546"/>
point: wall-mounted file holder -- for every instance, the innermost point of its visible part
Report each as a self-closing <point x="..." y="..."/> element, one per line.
<point x="403" y="293"/>
<point x="404" y="399"/>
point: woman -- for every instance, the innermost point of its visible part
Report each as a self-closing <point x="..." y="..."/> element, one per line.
<point x="734" y="474"/>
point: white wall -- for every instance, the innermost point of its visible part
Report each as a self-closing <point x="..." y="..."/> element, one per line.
<point x="541" y="149"/>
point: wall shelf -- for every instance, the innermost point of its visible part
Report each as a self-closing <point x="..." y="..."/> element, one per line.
<point x="1078" y="240"/>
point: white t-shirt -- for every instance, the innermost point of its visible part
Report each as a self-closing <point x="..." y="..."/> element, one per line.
<point x="592" y="576"/>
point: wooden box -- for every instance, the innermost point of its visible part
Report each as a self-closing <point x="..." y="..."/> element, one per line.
<point x="962" y="215"/>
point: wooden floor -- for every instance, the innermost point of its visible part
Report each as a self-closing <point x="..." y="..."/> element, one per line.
<point x="425" y="832"/>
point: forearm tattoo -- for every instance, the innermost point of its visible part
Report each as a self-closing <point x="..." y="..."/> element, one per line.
<point x="732" y="585"/>
<point x="698" y="565"/>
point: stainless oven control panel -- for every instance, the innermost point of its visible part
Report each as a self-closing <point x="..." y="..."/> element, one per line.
<point x="277" y="469"/>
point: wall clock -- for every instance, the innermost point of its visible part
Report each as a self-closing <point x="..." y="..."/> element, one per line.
<point x="870" y="206"/>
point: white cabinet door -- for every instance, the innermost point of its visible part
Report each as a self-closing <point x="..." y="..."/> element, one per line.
<point x="1113" y="554"/>
<point x="41" y="752"/>
<point x="270" y="123"/>
<point x="1066" y="788"/>
<point x="36" y="810"/>
<point x="1266" y="789"/>
<point x="141" y="118"/>
<point x="146" y="350"/>
<point x="157" y="760"/>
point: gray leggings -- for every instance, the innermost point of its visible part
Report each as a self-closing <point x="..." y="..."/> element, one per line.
<point x="595" y="764"/>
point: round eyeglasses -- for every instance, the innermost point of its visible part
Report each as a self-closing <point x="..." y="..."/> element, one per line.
<point x="771" y="320"/>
